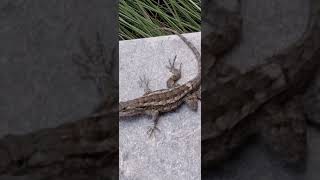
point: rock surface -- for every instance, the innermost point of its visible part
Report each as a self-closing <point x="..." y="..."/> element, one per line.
<point x="175" y="152"/>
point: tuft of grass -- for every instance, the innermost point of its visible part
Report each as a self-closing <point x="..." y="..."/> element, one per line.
<point x="140" y="18"/>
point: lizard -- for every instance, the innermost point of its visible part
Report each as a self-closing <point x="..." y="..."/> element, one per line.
<point x="225" y="35"/>
<point x="154" y="103"/>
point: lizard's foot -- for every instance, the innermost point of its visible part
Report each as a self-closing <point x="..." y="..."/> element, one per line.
<point x="144" y="83"/>
<point x="176" y="73"/>
<point x="151" y="131"/>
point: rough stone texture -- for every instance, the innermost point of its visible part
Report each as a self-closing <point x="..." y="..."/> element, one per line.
<point x="175" y="152"/>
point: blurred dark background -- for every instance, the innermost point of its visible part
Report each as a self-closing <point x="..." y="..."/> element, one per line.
<point x="267" y="27"/>
<point x="40" y="86"/>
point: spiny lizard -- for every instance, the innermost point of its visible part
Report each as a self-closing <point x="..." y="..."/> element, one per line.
<point x="156" y="102"/>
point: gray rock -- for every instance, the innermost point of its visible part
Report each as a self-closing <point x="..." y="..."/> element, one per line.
<point x="175" y="152"/>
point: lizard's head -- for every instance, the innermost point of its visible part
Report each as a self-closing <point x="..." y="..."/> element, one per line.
<point x="128" y="109"/>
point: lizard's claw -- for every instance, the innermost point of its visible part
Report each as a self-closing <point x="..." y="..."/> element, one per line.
<point x="144" y="83"/>
<point x="176" y="73"/>
<point x="151" y="131"/>
<point x="171" y="65"/>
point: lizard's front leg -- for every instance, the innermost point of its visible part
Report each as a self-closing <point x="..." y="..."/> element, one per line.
<point x="176" y="73"/>
<point x="144" y="83"/>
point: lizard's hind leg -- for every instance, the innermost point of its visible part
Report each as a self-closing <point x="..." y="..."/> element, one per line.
<point x="192" y="101"/>
<point x="155" y="118"/>
<point x="176" y="73"/>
